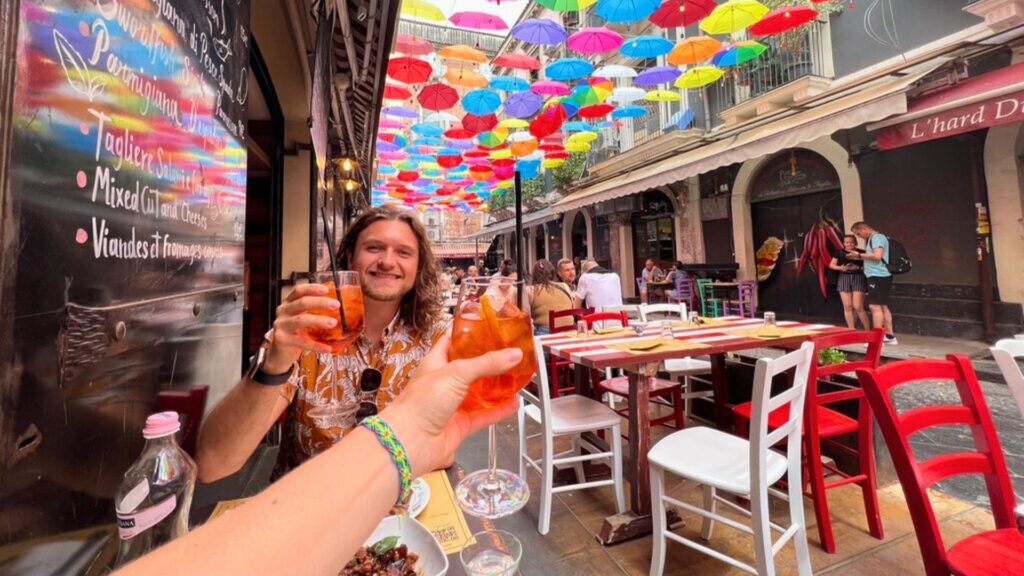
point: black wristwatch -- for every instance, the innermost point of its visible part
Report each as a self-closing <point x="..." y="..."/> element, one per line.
<point x="256" y="373"/>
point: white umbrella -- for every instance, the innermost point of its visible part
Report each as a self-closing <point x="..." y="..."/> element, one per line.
<point x="520" y="137"/>
<point x="438" y="117"/>
<point x="627" y="94"/>
<point x="615" y="71"/>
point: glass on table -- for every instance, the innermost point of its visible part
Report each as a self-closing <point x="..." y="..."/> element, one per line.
<point x="694" y="318"/>
<point x="581" y="329"/>
<point x="496" y="553"/>
<point x="769" y="320"/>
<point x="345" y="287"/>
<point x="666" y="330"/>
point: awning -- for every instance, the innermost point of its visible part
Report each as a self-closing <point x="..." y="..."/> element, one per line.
<point x="456" y="250"/>
<point x="532" y="219"/>
<point x="987" y="100"/>
<point x="869" y="104"/>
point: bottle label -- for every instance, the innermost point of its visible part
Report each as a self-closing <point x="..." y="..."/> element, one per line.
<point x="131" y="525"/>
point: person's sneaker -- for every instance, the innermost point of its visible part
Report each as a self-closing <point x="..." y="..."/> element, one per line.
<point x="890" y="340"/>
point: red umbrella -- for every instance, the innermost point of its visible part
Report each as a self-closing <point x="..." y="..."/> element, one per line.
<point x="783" y="19"/>
<point x="477" y="154"/>
<point x="551" y="147"/>
<point x="562" y="155"/>
<point x="396" y="92"/>
<point x="458" y="134"/>
<point x="438" y="97"/>
<point x="408" y="176"/>
<point x="504" y="162"/>
<point x="517" y="61"/>
<point x="409" y="70"/>
<point x="679" y="13"/>
<point x="412" y="46"/>
<point x="449" y="160"/>
<point x="542" y="127"/>
<point x="596" y="111"/>
<point x="477" y="124"/>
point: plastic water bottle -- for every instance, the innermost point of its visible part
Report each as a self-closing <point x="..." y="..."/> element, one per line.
<point x="153" y="501"/>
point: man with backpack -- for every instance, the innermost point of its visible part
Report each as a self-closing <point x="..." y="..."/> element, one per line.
<point x="876" y="259"/>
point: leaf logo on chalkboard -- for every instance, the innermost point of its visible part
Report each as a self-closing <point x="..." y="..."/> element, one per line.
<point x="76" y="69"/>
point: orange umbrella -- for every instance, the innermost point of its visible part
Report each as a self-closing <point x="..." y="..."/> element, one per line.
<point x="694" y="50"/>
<point x="463" y="52"/>
<point x="524" y="148"/>
<point x="465" y="78"/>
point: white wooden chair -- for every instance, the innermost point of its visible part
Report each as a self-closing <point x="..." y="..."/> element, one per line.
<point x="679" y="367"/>
<point x="570" y="415"/>
<point x="720" y="461"/>
<point x="631" y="310"/>
<point x="1007" y="352"/>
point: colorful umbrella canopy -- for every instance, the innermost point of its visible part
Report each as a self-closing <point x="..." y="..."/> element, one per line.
<point x="577" y="147"/>
<point x="466" y="79"/>
<point x="399" y="112"/>
<point x="566" y="5"/>
<point x="680" y="13"/>
<point x="615" y="71"/>
<point x="584" y="137"/>
<point x="699" y="77"/>
<point x="629" y="112"/>
<point x="694" y="50"/>
<point x="657" y="75"/>
<point x="395" y="92"/>
<point x="412" y="46"/>
<point x="539" y="31"/>
<point x="783" y="20"/>
<point x="577" y="126"/>
<point x="733" y="16"/>
<point x="627" y="94"/>
<point x="594" y="41"/>
<point x="422" y="10"/>
<point x="625" y="11"/>
<point x="568" y="69"/>
<point x="513" y="123"/>
<point x="509" y="84"/>
<point x="458" y="134"/>
<point x="441" y="117"/>
<point x="646" y="47"/>
<point x="409" y="70"/>
<point x="438" y="97"/>
<point x="662" y="96"/>
<point x="586" y="95"/>
<point x="493" y="138"/>
<point x="477" y="124"/>
<point x="522" y="104"/>
<point x="478" y="21"/>
<point x="738" y="53"/>
<point x="596" y="111"/>
<point x="550" y="88"/>
<point x="517" y="61"/>
<point x="463" y="52"/>
<point x="424" y="129"/>
<point x="388" y="124"/>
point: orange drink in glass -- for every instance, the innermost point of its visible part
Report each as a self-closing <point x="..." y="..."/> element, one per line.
<point x="350" y="325"/>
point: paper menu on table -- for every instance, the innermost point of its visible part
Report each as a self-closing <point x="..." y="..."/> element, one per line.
<point x="443" y="517"/>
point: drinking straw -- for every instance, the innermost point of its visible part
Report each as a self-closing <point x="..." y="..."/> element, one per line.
<point x="334" y="266"/>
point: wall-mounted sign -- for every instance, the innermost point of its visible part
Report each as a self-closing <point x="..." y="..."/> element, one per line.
<point x="793" y="173"/>
<point x="716" y="208"/>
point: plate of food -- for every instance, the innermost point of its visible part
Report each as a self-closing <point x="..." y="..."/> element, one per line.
<point x="420" y="497"/>
<point x="399" y="546"/>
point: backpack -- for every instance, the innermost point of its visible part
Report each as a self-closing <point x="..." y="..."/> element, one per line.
<point x="899" y="260"/>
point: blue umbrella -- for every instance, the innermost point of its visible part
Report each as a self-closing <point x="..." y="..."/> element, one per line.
<point x="577" y="126"/>
<point x="522" y="105"/>
<point x="683" y="118"/>
<point x="657" y="75"/>
<point x="400" y="112"/>
<point x="509" y="84"/>
<point x="646" y="47"/>
<point x="605" y="125"/>
<point x="386" y="170"/>
<point x="481" y="102"/>
<point x="421" y="182"/>
<point x="528" y="168"/>
<point x="427" y="129"/>
<point x="450" y="151"/>
<point x="629" y="112"/>
<point x="429" y="141"/>
<point x="539" y="31"/>
<point x="568" y="69"/>
<point x="624" y="11"/>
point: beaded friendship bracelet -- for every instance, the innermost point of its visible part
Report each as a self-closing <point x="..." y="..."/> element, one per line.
<point x="399" y="458"/>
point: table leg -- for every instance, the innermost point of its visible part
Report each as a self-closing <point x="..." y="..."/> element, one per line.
<point x="720" y="385"/>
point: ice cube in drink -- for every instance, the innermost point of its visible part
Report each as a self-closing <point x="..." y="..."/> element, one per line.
<point x="340" y="336"/>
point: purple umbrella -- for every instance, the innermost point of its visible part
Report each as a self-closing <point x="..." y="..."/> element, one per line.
<point x="539" y="31"/>
<point x="383" y="146"/>
<point x="657" y="75"/>
<point x="462" y="144"/>
<point x="522" y="105"/>
<point x="400" y="112"/>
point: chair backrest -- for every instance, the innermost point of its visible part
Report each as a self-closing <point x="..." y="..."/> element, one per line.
<point x="764" y="403"/>
<point x="1007" y="352"/>
<point x="916" y="477"/>
<point x="704" y="288"/>
<point x="575" y="313"/>
<point x="596" y="317"/>
<point x="631" y="310"/>
<point x="669" y="310"/>
<point x="640" y="283"/>
<point x="190" y="406"/>
<point x="684" y="285"/>
<point x="872" y="357"/>
<point x="542" y="399"/>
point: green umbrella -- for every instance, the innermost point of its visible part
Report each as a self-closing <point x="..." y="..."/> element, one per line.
<point x="566" y="5"/>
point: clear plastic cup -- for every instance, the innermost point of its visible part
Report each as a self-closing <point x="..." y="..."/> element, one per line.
<point x="693" y="317"/>
<point x="769" y="320"/>
<point x="496" y="553"/>
<point x="666" y="330"/>
<point x="581" y="329"/>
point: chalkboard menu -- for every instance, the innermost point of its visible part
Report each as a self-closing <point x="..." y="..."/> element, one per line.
<point x="128" y="179"/>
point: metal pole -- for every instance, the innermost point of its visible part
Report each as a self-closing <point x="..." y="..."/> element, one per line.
<point x="519" y="233"/>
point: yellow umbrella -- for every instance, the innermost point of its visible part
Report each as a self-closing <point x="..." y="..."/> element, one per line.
<point x="552" y="162"/>
<point x="694" y="51"/>
<point x="577" y="147"/>
<point x="463" y="52"/>
<point x="501" y="154"/>
<point x="733" y="16"/>
<point x="582" y="138"/>
<point x="699" y="77"/>
<point x="422" y="10"/>
<point x="513" y="123"/>
<point x="662" y="96"/>
<point x="465" y="78"/>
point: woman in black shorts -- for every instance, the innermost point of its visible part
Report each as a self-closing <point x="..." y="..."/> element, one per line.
<point x="852" y="283"/>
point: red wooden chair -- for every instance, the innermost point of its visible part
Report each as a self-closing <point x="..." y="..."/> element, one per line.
<point x="999" y="551"/>
<point x="824" y="424"/>
<point x="556" y="364"/>
<point x="190" y="406"/>
<point x="619" y="385"/>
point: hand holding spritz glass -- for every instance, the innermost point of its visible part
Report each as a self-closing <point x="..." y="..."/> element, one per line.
<point x="487" y="319"/>
<point x="345" y="287"/>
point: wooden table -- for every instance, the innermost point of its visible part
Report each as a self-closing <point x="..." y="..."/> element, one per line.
<point x="595" y="353"/>
<point x="662" y="285"/>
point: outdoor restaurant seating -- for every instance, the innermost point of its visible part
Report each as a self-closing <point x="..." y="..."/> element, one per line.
<point x="569" y="415"/>
<point x="999" y="551"/>
<point x="710" y="305"/>
<point x="745" y="303"/>
<point x="824" y="423"/>
<point x="680" y="367"/>
<point x="1007" y="353"/>
<point x="720" y="461"/>
<point x="555" y="365"/>
<point x="632" y="310"/>
<point x="685" y="291"/>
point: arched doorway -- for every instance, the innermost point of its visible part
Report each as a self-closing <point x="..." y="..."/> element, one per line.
<point x="579" y="237"/>
<point x="791" y="192"/>
<point x="653" y="231"/>
<point x="539" y="243"/>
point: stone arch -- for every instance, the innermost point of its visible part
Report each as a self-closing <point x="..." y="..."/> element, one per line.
<point x="568" y="220"/>
<point x="1003" y="165"/>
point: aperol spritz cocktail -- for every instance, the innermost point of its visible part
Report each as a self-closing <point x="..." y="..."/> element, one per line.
<point x="350" y="325"/>
<point x="487" y="319"/>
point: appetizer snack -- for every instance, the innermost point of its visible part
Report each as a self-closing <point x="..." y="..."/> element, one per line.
<point x="385" y="558"/>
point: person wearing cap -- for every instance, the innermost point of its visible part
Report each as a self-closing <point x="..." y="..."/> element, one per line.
<point x="403" y="318"/>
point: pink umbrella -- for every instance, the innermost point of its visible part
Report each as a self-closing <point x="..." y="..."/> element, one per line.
<point x="550" y="88"/>
<point x="595" y="41"/>
<point x="478" y="21"/>
<point x="386" y="124"/>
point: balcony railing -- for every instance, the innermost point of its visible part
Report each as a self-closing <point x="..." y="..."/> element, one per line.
<point x="441" y="36"/>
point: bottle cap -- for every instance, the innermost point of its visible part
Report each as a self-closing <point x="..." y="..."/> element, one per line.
<point x="161" y="424"/>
